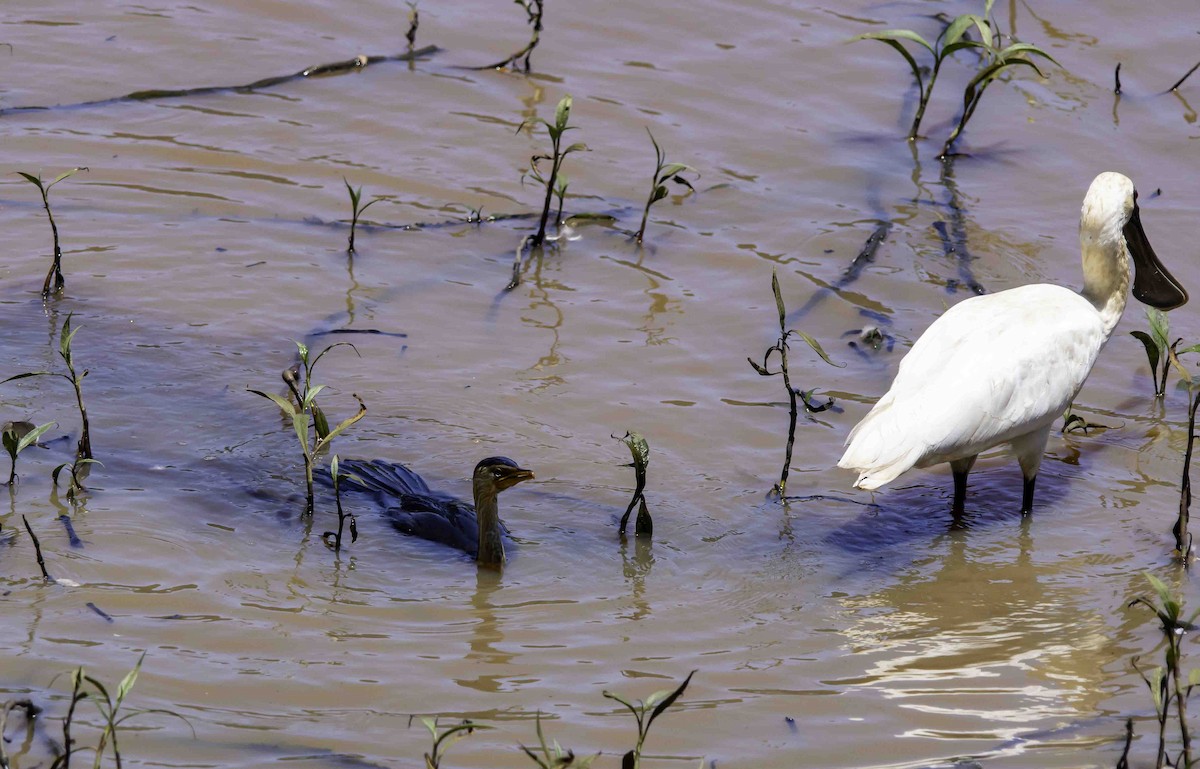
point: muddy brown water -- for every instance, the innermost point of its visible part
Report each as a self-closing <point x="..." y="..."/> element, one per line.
<point x="843" y="629"/>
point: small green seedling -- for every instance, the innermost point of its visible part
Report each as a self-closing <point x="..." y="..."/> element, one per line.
<point x="304" y="410"/>
<point x="640" y="449"/>
<point x="1162" y="353"/>
<point x="333" y="539"/>
<point x="1166" y="683"/>
<point x="663" y="172"/>
<point x="552" y="756"/>
<point x="84" y="686"/>
<point x="794" y="394"/>
<point x="645" y="713"/>
<point x="533" y="15"/>
<point x="79" y="471"/>
<point x="356" y="210"/>
<point x="443" y="739"/>
<point x="18" y="436"/>
<point x="55" y="275"/>
<point x="993" y="61"/>
<point x="65" y="337"/>
<point x="552" y="183"/>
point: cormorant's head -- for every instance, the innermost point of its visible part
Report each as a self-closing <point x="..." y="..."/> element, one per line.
<point x="501" y="472"/>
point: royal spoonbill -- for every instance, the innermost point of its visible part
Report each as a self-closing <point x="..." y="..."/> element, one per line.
<point x="415" y="509"/>
<point x="1001" y="368"/>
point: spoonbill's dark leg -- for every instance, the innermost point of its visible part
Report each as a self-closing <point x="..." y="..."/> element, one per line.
<point x="1029" y="449"/>
<point x="961" y="468"/>
<point x="1027" y="496"/>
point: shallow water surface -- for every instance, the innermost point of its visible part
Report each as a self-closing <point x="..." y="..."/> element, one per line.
<point x="838" y="629"/>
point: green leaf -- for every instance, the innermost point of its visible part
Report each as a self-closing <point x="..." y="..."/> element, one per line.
<point x="1193" y="348"/>
<point x="285" y="405"/>
<point x="954" y="31"/>
<point x="778" y="296"/>
<point x="65" y="174"/>
<point x="673" y="168"/>
<point x="660" y="192"/>
<point x="310" y="396"/>
<point x="760" y="369"/>
<point x="669" y="700"/>
<point x="639" y="448"/>
<point x="894" y="36"/>
<point x="319" y="421"/>
<point x="813" y="343"/>
<point x="1160" y="327"/>
<point x="129" y="680"/>
<point x="362" y="412"/>
<point x="9" y="439"/>
<point x="912" y="63"/>
<point x="32" y="436"/>
<point x="32" y="179"/>
<point x="562" y="113"/>
<point x="629" y="761"/>
<point x="576" y="147"/>
<point x="27" y="374"/>
<point x="1151" y="348"/>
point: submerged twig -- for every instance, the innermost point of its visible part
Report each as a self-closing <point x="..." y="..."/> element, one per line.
<point x="1186" y="75"/>
<point x="37" y="548"/>
<point x="1183" y="540"/>
<point x="335" y="68"/>
<point x="1117" y="77"/>
<point x="533" y="10"/>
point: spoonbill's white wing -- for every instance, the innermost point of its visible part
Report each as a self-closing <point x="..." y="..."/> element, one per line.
<point x="991" y="369"/>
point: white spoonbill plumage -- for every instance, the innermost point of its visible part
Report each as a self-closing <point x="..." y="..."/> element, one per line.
<point x="1001" y="368"/>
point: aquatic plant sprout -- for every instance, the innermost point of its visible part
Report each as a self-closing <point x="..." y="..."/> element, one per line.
<point x="55" y="274"/>
<point x="993" y="61"/>
<point x="794" y="394"/>
<point x="663" y="173"/>
<point x="640" y="449"/>
<point x="18" y="436"/>
<point x="355" y="210"/>
<point x="551" y="182"/>
<point x="305" y="410"/>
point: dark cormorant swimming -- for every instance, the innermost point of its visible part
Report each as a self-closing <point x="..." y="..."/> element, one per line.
<point x="415" y="509"/>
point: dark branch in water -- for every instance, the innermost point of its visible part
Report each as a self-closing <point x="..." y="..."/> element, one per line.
<point x="1117" y="76"/>
<point x="866" y="255"/>
<point x="336" y="68"/>
<point x="37" y="548"/>
<point x="1186" y="75"/>
<point x="534" y="10"/>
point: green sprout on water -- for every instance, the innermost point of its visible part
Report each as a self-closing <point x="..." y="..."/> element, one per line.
<point x="1168" y="687"/>
<point x="663" y="173"/>
<point x="18" y="436"/>
<point x="356" y="210"/>
<point x="551" y="181"/>
<point x="993" y="62"/>
<point x="444" y="739"/>
<point x="794" y="394"/>
<point x="333" y="539"/>
<point x="55" y="275"/>
<point x="645" y="712"/>
<point x="66" y="336"/>
<point x="1161" y="353"/>
<point x="86" y="687"/>
<point x="640" y="449"/>
<point x="552" y="756"/>
<point x="304" y="411"/>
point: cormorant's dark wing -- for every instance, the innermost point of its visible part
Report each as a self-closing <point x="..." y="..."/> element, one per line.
<point x="384" y="477"/>
<point x="449" y="523"/>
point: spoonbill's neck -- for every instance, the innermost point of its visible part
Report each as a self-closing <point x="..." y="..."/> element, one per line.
<point x="1105" y="267"/>
<point x="487" y="512"/>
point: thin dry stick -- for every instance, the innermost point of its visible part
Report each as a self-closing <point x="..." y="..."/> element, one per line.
<point x="37" y="548"/>
<point x="534" y="8"/>
<point x="1182" y="538"/>
<point x="1186" y="75"/>
<point x="336" y="68"/>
